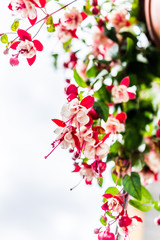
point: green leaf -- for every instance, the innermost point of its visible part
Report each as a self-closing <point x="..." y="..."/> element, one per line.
<point x="100" y="183"/>
<point x="112" y="190"/>
<point x="49" y="20"/>
<point x="103" y="94"/>
<point x="102" y="109"/>
<point x="103" y="221"/>
<point x="92" y="72"/>
<point x="117" y="182"/>
<point x="111" y="33"/>
<point x="51" y="27"/>
<point x="142" y="207"/>
<point x="132" y="185"/>
<point x="146" y="196"/>
<point x="4" y="38"/>
<point x="157" y="205"/>
<point x="55" y="58"/>
<point x="15" y="25"/>
<point x="79" y="80"/>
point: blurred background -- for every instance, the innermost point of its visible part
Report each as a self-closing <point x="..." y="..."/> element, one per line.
<point x="35" y="198"/>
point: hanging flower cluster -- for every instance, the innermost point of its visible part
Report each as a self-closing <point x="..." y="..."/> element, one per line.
<point x="109" y="115"/>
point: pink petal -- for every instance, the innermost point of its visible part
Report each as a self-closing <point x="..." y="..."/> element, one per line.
<point x="159" y="123"/>
<point x="10" y="7"/>
<point x="121" y="117"/>
<point x="84" y="15"/>
<point x="73" y="33"/>
<point x="14" y="45"/>
<point x="105" y="137"/>
<point x="88" y="182"/>
<point x="38" y="45"/>
<point x="125" y="81"/>
<point x="107" y="195"/>
<point x="32" y="21"/>
<point x="59" y="122"/>
<point x="71" y="88"/>
<point x="87" y="102"/>
<point x="31" y="60"/>
<point x="131" y="95"/>
<point x="109" y="88"/>
<point x="77" y="143"/>
<point x="24" y="35"/>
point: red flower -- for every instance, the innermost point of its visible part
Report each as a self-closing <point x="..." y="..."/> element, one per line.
<point x="113" y="204"/>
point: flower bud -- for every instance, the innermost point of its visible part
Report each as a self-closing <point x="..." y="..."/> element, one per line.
<point x="14" y="61"/>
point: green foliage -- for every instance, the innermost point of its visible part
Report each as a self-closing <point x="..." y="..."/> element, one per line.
<point x="50" y="24"/>
<point x="103" y="221"/>
<point x="102" y="109"/>
<point x="132" y="185"/>
<point x="4" y="38"/>
<point x="112" y="190"/>
<point x="79" y="80"/>
<point x="100" y="181"/>
<point x="15" y="25"/>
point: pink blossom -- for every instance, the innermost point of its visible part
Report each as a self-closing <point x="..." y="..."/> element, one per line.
<point x="64" y="34"/>
<point x="26" y="47"/>
<point x="113" y="204"/>
<point x="118" y="19"/>
<point x="152" y="159"/>
<point x="99" y="38"/>
<point x="88" y="173"/>
<point x="127" y="224"/>
<point x="147" y="176"/>
<point x="27" y="8"/>
<point x="72" y="19"/>
<point x="114" y="125"/>
<point x="120" y="93"/>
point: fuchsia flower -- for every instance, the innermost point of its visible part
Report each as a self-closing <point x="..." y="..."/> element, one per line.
<point x="106" y="235"/>
<point x="73" y="18"/>
<point x="26" y="47"/>
<point x="64" y="34"/>
<point x="27" y="8"/>
<point x="120" y="93"/>
<point x="113" y="204"/>
<point x="119" y="19"/>
<point x="115" y="124"/>
<point x="72" y="61"/>
<point x="127" y="224"/>
<point x="152" y="159"/>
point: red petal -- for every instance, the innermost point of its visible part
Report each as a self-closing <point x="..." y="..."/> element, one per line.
<point x="71" y="88"/>
<point x="121" y="117"/>
<point x="71" y="97"/>
<point x="14" y="45"/>
<point x="77" y="169"/>
<point x="10" y="7"/>
<point x="77" y="143"/>
<point x="105" y="137"/>
<point x="159" y="123"/>
<point x="84" y="15"/>
<point x="43" y="3"/>
<point x="98" y="129"/>
<point x="138" y="218"/>
<point x="107" y="195"/>
<point x="88" y="182"/>
<point x="105" y="207"/>
<point x="87" y="102"/>
<point x="109" y="88"/>
<point x="89" y="124"/>
<point x="38" y="45"/>
<point x="59" y="122"/>
<point x="73" y="33"/>
<point x="94" y="115"/>
<point x="32" y="21"/>
<point x="125" y="81"/>
<point x="24" y="35"/>
<point x="131" y="95"/>
<point x="31" y="60"/>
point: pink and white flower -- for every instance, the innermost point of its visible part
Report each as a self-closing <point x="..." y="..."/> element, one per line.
<point x="26" y="47"/>
<point x="72" y="19"/>
<point x="113" y="204"/>
<point x="119" y="19"/>
<point x="81" y="69"/>
<point x="65" y="34"/>
<point x="152" y="159"/>
<point x="127" y="224"/>
<point x="27" y="8"/>
<point x="120" y="93"/>
<point x="115" y="124"/>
